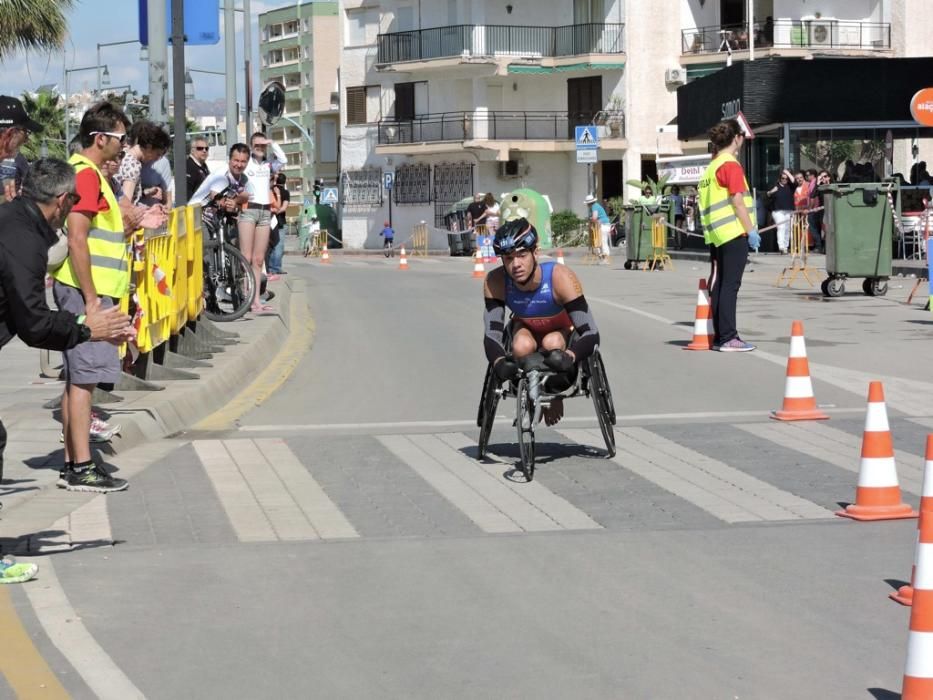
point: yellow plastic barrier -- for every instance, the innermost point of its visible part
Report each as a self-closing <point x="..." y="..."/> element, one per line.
<point x="179" y="221"/>
<point x="419" y="240"/>
<point x="659" y="257"/>
<point x="195" y="261"/>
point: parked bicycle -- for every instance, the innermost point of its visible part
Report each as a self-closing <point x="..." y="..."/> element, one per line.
<point x="229" y="282"/>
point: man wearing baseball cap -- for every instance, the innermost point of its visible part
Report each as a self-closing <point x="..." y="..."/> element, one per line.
<point x="15" y="127"/>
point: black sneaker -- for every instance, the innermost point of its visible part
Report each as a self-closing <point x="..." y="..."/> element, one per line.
<point x="92" y="479"/>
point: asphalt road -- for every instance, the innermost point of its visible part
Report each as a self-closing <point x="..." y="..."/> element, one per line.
<point x="342" y="541"/>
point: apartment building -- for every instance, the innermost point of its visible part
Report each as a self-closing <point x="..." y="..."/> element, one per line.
<point x="461" y="96"/>
<point x="300" y="48"/>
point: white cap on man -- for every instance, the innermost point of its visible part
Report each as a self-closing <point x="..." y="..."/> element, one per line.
<point x="589" y="199"/>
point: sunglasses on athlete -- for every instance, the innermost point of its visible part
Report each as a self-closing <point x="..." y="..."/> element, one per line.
<point x="122" y="137"/>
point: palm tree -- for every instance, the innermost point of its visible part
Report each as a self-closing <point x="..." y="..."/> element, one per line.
<point x="48" y="109"/>
<point x="32" y="24"/>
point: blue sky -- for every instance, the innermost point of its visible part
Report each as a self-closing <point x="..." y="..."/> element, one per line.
<point x="93" y="21"/>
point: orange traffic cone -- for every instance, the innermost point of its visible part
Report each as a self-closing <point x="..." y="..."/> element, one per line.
<point x="918" y="671"/>
<point x="905" y="594"/>
<point x="878" y="495"/>
<point x="325" y="256"/>
<point x="799" y="402"/>
<point x="478" y="270"/>
<point x="403" y="261"/>
<point x="703" y="325"/>
<point x="560" y="256"/>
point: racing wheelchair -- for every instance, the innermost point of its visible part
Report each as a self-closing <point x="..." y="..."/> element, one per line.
<point x="532" y="395"/>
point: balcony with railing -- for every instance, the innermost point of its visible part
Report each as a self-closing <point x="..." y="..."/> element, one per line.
<point x="490" y="126"/>
<point x="817" y="34"/>
<point x="492" y="41"/>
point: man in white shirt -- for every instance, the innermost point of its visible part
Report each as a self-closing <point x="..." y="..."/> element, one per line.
<point x="226" y="192"/>
<point x="255" y="218"/>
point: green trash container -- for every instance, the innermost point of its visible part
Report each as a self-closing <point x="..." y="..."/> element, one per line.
<point x="859" y="228"/>
<point x="638" y="221"/>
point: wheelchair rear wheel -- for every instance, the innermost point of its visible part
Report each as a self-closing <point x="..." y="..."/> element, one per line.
<point x="602" y="402"/>
<point x="487" y="410"/>
<point x="524" y="422"/>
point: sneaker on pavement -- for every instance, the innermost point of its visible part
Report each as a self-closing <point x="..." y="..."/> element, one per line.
<point x="98" y="434"/>
<point x="736" y="345"/>
<point x="100" y="425"/>
<point x="12" y="572"/>
<point x="93" y="479"/>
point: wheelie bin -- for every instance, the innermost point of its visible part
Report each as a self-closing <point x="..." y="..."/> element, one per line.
<point x="638" y="220"/>
<point x="859" y="228"/>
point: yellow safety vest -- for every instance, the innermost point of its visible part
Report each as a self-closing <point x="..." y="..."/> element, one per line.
<point x="106" y="241"/>
<point x="720" y="222"/>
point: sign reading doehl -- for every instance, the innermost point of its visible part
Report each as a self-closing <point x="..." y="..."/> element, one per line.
<point x="587" y="141"/>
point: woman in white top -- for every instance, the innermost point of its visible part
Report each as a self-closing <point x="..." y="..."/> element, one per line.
<point x="492" y="213"/>
<point x="253" y="226"/>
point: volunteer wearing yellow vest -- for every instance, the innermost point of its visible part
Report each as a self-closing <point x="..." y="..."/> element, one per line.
<point x="727" y="212"/>
<point x="97" y="267"/>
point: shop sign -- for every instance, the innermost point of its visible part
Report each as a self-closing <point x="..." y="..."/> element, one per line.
<point x="921" y="107"/>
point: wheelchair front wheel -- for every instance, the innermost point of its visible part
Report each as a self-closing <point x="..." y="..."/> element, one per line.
<point x="524" y="422"/>
<point x="602" y="402"/>
<point x="487" y="411"/>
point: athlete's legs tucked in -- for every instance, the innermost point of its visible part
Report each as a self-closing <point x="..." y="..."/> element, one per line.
<point x="524" y="342"/>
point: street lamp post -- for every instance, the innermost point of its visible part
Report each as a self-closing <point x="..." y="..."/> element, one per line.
<point x="67" y="72"/>
<point x="106" y="75"/>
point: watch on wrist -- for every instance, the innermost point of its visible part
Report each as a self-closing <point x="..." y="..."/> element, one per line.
<point x="84" y="331"/>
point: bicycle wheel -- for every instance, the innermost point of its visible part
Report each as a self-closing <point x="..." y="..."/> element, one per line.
<point x="602" y="400"/>
<point x="524" y="422"/>
<point x="600" y="369"/>
<point x="229" y="283"/>
<point x="487" y="410"/>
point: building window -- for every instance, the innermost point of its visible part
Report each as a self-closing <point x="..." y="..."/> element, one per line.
<point x="327" y="141"/>
<point x="362" y="27"/>
<point x="412" y="184"/>
<point x="363" y="104"/>
<point x="290" y="27"/>
<point x="452" y="182"/>
<point x="362" y="187"/>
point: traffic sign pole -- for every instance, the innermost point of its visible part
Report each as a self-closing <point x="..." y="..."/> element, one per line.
<point x="388" y="181"/>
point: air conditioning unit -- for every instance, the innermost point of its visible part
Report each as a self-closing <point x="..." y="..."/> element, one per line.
<point x="821" y="32"/>
<point x="675" y="76"/>
<point x="511" y="168"/>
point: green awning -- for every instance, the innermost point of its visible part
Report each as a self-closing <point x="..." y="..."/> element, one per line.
<point x="562" y="69"/>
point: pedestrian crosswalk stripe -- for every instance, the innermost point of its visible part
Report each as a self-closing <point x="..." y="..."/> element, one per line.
<point x="723" y="491"/>
<point x="323" y="514"/>
<point x="561" y="511"/>
<point x="834" y="446"/>
<point x="486" y="516"/>
<point x="286" y="518"/>
<point x="244" y="512"/>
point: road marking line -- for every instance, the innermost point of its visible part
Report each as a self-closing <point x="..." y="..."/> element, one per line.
<point x="90" y="524"/>
<point x="836" y="447"/>
<point x="558" y="509"/>
<point x="287" y="519"/>
<point x="23" y="667"/>
<point x="69" y="635"/>
<point x="475" y="507"/>
<point x="925" y="422"/>
<point x="237" y="499"/>
<point x="769" y="501"/>
<point x="711" y="488"/>
<point x="466" y="422"/>
<point x="321" y="511"/>
<point x="492" y="487"/>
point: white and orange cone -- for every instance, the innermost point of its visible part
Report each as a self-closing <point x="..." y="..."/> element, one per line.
<point x="878" y="495"/>
<point x="478" y="270"/>
<point x="403" y="260"/>
<point x="703" y="325"/>
<point x="325" y="256"/>
<point x="905" y="594"/>
<point x="799" y="401"/>
<point x="918" y="671"/>
<point x="560" y="256"/>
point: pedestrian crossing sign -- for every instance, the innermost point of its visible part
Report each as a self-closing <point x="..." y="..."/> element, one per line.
<point x="329" y="196"/>
<point x="586" y="137"/>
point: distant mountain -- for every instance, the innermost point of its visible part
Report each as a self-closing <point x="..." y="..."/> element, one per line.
<point x="207" y="108"/>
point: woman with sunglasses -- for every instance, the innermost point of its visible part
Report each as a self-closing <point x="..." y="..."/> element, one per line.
<point x="146" y="143"/>
<point x="782" y="195"/>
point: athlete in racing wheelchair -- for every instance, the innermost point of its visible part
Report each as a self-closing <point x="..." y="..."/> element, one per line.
<point x="538" y="356"/>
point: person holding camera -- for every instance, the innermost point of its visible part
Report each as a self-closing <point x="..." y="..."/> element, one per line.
<point x="224" y="194"/>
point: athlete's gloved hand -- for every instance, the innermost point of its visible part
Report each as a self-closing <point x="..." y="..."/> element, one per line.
<point x="754" y="239"/>
<point x="559" y="361"/>
<point x="505" y="370"/>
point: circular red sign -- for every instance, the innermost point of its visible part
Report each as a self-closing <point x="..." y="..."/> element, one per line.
<point x="921" y="107"/>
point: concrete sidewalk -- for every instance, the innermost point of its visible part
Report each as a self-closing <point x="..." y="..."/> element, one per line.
<point x="34" y="454"/>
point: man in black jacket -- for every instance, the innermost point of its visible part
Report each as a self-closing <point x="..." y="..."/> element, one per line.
<point x="27" y="230"/>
